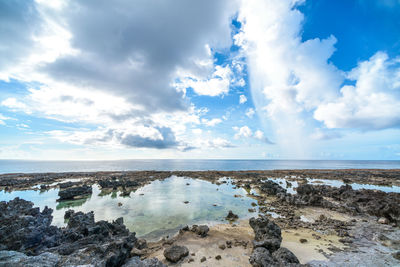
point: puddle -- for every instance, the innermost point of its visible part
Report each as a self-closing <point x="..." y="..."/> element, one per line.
<point x="153" y="210"/>
<point x="291" y="187"/>
<point x="338" y="183"/>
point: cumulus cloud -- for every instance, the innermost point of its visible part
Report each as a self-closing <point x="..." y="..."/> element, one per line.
<point x="217" y="84"/>
<point x="372" y="103"/>
<point x="295" y="86"/>
<point x="242" y="99"/>
<point x="246" y="132"/>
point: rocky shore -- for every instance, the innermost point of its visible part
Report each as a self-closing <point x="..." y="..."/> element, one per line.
<point x="299" y="223"/>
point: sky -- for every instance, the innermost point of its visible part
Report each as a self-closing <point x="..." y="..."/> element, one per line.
<point x="226" y="79"/>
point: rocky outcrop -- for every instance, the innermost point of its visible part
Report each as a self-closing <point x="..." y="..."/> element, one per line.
<point x="72" y="192"/>
<point x="201" y="230"/>
<point x="231" y="216"/>
<point x="267" y="233"/>
<point x="117" y="183"/>
<point x="267" y="242"/>
<point x="24" y="228"/>
<point x="175" y="253"/>
<point x="27" y="238"/>
<point x="271" y="188"/>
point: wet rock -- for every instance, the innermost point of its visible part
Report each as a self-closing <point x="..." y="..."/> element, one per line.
<point x="218" y="257"/>
<point x="71" y="193"/>
<point x="284" y="257"/>
<point x="231" y="216"/>
<point x="252" y="210"/>
<point x="201" y="230"/>
<point x="175" y="253"/>
<point x="186" y="202"/>
<point x="203" y="259"/>
<point x="267" y="233"/>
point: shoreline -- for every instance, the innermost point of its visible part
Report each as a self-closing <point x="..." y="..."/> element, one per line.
<point x="319" y="223"/>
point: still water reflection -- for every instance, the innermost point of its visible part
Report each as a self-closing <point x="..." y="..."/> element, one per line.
<point x="153" y="210"/>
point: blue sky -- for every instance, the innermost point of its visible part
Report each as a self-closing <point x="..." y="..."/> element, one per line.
<point x="262" y="79"/>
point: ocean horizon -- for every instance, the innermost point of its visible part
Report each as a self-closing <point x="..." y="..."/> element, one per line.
<point x="42" y="166"/>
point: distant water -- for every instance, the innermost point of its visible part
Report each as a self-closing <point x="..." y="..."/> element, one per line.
<point x="26" y="166"/>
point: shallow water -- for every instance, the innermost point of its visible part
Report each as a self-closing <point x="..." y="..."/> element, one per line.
<point x="155" y="209"/>
<point x="335" y="183"/>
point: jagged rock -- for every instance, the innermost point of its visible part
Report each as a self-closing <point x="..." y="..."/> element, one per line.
<point x="24" y="228"/>
<point x="231" y="216"/>
<point x="284" y="256"/>
<point x="261" y="257"/>
<point x="201" y="230"/>
<point x="115" y="184"/>
<point x="271" y="188"/>
<point x="175" y="253"/>
<point x="267" y="233"/>
<point x="71" y="193"/>
<point x="83" y="241"/>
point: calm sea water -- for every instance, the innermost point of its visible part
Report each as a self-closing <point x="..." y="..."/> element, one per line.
<point x="25" y="166"/>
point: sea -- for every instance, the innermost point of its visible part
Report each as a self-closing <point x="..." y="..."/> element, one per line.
<point x="36" y="166"/>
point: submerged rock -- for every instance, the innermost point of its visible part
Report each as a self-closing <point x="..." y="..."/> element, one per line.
<point x="71" y="193"/>
<point x="175" y="253"/>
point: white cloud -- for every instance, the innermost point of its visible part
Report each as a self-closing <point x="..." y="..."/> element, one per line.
<point x="242" y="99"/>
<point x="372" y="103"/>
<point x="211" y="122"/>
<point x="246" y="132"/>
<point x="3" y="118"/>
<point x="217" y="84"/>
<point x="294" y="84"/>
<point x="243" y="132"/>
<point x="110" y="65"/>
<point x="250" y="112"/>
